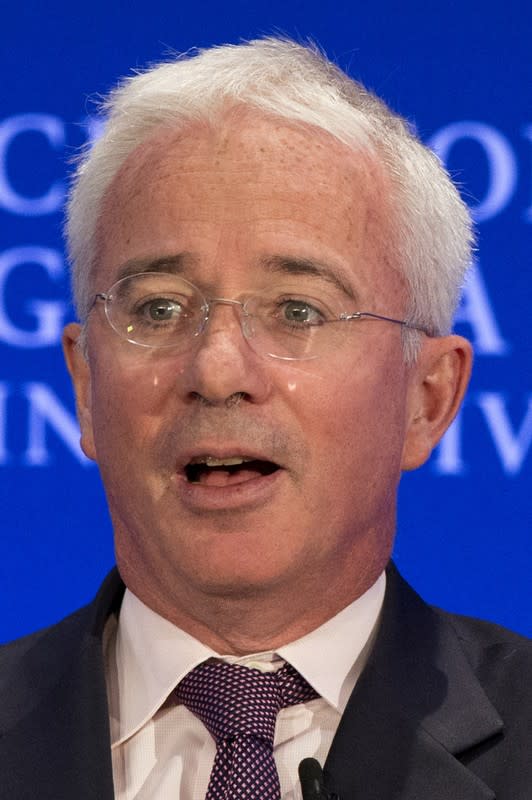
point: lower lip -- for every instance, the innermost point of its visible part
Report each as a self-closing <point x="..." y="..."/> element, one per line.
<point x="233" y="497"/>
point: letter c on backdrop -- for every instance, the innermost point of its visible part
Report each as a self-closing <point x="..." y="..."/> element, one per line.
<point x="53" y="130"/>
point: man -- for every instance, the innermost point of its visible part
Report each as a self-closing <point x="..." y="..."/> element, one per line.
<point x="266" y="264"/>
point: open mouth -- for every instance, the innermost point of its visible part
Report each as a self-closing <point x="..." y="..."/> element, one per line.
<point x="210" y="471"/>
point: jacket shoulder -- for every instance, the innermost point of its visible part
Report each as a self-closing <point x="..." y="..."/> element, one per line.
<point x="502" y="663"/>
<point x="35" y="660"/>
<point x="483" y="640"/>
<point x="16" y="652"/>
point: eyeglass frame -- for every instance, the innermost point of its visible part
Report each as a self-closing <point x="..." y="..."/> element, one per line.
<point x="345" y="316"/>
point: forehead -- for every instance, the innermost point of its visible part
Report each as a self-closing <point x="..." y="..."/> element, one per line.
<point x="247" y="187"/>
<point x="248" y="140"/>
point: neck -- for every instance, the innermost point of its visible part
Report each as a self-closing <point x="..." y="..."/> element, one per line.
<point x="240" y="622"/>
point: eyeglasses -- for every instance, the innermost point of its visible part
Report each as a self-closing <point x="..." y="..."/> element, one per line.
<point x="163" y="310"/>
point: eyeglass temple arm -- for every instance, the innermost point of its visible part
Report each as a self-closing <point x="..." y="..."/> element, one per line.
<point x="360" y="314"/>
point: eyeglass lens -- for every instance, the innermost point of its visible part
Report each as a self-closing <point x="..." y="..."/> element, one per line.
<point x="163" y="310"/>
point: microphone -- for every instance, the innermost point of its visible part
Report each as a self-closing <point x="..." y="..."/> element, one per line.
<point x="311" y="779"/>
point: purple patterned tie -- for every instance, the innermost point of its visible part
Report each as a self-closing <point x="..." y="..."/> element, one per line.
<point x="239" y="707"/>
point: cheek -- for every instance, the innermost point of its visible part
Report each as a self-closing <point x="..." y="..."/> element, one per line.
<point x="129" y="401"/>
<point x="352" y="417"/>
<point x="136" y="382"/>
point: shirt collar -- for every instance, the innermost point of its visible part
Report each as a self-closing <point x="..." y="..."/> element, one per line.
<point x="147" y="656"/>
<point x="332" y="656"/>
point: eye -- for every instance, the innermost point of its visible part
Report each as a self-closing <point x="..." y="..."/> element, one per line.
<point x="300" y="313"/>
<point x="160" y="309"/>
<point x="156" y="311"/>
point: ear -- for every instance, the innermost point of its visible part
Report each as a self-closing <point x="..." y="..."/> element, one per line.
<point x="79" y="369"/>
<point x="438" y="383"/>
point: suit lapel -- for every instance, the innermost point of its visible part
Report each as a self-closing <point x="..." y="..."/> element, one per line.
<point x="415" y="709"/>
<point x="55" y="741"/>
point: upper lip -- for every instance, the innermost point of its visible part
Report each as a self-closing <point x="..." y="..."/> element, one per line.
<point x="219" y="452"/>
<point x="212" y="461"/>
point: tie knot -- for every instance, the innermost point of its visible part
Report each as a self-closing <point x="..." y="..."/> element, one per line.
<point x="234" y="700"/>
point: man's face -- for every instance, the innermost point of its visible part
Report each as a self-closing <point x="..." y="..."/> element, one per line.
<point x="227" y="204"/>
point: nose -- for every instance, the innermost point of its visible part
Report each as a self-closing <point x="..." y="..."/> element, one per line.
<point x="223" y="366"/>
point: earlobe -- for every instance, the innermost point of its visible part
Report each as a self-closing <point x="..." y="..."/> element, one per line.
<point x="79" y="370"/>
<point x="438" y="385"/>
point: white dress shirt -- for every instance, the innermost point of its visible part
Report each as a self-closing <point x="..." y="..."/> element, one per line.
<point x="161" y="751"/>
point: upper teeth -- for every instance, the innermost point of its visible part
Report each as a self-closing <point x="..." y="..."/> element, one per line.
<point x="210" y="461"/>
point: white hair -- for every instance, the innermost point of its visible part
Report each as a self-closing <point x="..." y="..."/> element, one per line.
<point x="431" y="226"/>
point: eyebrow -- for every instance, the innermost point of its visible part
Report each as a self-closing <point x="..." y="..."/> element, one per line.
<point x="183" y="262"/>
<point x="293" y="265"/>
<point x="177" y="263"/>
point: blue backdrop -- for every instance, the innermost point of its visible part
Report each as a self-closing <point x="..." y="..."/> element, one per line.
<point x="461" y="72"/>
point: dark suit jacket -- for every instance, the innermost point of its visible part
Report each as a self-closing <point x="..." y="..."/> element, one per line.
<point x="443" y="710"/>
